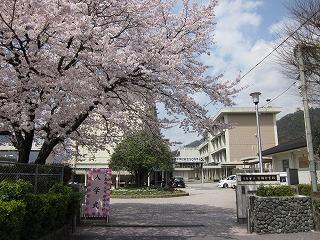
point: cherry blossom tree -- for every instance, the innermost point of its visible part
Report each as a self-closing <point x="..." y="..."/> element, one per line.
<point x="91" y="70"/>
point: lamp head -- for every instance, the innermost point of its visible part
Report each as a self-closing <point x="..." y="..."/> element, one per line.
<point x="255" y="97"/>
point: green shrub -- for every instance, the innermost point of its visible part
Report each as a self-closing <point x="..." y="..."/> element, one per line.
<point x="48" y="212"/>
<point x="59" y="188"/>
<point x="34" y="214"/>
<point x="55" y="209"/>
<point x="73" y="198"/>
<point x="14" y="190"/>
<point x="275" y="191"/>
<point x="73" y="205"/>
<point x="305" y="189"/>
<point x="11" y="219"/>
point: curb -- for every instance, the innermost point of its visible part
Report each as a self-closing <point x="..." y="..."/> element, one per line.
<point x="150" y="196"/>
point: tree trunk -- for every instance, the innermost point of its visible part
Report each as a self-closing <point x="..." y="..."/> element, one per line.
<point x="24" y="145"/>
<point x="24" y="153"/>
<point x="139" y="178"/>
<point x="45" y="151"/>
<point x="140" y="173"/>
<point x="136" y="176"/>
<point x="48" y="146"/>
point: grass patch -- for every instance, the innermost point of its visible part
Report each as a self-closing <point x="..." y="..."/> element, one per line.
<point x="146" y="192"/>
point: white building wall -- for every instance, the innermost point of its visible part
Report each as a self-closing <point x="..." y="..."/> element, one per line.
<point x="8" y="150"/>
<point x="188" y="152"/>
<point x="181" y="168"/>
<point x="87" y="159"/>
<point x="293" y="157"/>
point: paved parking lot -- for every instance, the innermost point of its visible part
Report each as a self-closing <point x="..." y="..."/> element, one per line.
<point x="208" y="213"/>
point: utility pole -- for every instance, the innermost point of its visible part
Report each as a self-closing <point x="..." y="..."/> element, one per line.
<point x="304" y="90"/>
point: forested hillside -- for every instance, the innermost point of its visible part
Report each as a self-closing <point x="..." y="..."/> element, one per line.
<point x="292" y="126"/>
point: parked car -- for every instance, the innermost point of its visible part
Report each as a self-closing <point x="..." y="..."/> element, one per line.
<point x="229" y="182"/>
<point x="178" y="182"/>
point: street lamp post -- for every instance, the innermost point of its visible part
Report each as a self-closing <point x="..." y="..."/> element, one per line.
<point x="255" y="98"/>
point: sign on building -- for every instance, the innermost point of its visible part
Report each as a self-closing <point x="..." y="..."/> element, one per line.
<point x="97" y="202"/>
<point x="188" y="160"/>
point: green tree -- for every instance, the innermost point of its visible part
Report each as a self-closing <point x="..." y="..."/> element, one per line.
<point x="140" y="153"/>
<point x="291" y="126"/>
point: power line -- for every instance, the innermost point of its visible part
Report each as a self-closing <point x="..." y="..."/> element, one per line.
<point x="275" y="49"/>
<point x="279" y="95"/>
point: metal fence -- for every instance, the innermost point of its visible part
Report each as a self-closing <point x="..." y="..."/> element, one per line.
<point x="42" y="177"/>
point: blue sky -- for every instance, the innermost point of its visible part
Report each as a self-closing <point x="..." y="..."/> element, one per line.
<point x="271" y="11"/>
<point x="245" y="33"/>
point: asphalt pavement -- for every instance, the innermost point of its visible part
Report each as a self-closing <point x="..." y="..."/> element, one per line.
<point x="207" y="213"/>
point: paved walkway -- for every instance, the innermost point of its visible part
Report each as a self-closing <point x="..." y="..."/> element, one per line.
<point x="208" y="213"/>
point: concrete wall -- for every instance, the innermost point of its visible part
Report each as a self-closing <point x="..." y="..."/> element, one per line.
<point x="12" y="153"/>
<point x="282" y="214"/>
<point x="298" y="158"/>
<point x="87" y="159"/>
<point x="7" y="150"/>
<point x="242" y="136"/>
<point x="186" y="172"/>
<point x="188" y="152"/>
<point x="304" y="176"/>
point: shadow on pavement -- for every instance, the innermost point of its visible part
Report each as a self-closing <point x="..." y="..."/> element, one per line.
<point x="162" y="221"/>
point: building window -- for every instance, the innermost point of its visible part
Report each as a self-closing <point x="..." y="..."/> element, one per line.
<point x="285" y="164"/>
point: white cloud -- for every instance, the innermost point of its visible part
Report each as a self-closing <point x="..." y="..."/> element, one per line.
<point x="277" y="28"/>
<point x="236" y="51"/>
<point x="231" y="17"/>
<point x="239" y="52"/>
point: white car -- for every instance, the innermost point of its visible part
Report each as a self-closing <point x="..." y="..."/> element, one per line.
<point x="229" y="182"/>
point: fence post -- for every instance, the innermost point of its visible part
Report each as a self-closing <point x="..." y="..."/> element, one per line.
<point x="62" y="173"/>
<point x="35" y="188"/>
<point x="17" y="175"/>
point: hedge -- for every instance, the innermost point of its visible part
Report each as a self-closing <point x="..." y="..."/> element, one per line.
<point x="14" y="190"/>
<point x="73" y="198"/>
<point x="147" y="192"/>
<point x="35" y="215"/>
<point x="275" y="191"/>
<point x="305" y="189"/>
<point x="11" y="216"/>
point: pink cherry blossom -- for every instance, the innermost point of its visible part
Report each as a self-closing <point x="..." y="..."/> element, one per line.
<point x="90" y="71"/>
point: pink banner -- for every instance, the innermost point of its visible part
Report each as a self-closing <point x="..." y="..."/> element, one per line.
<point x="98" y="193"/>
